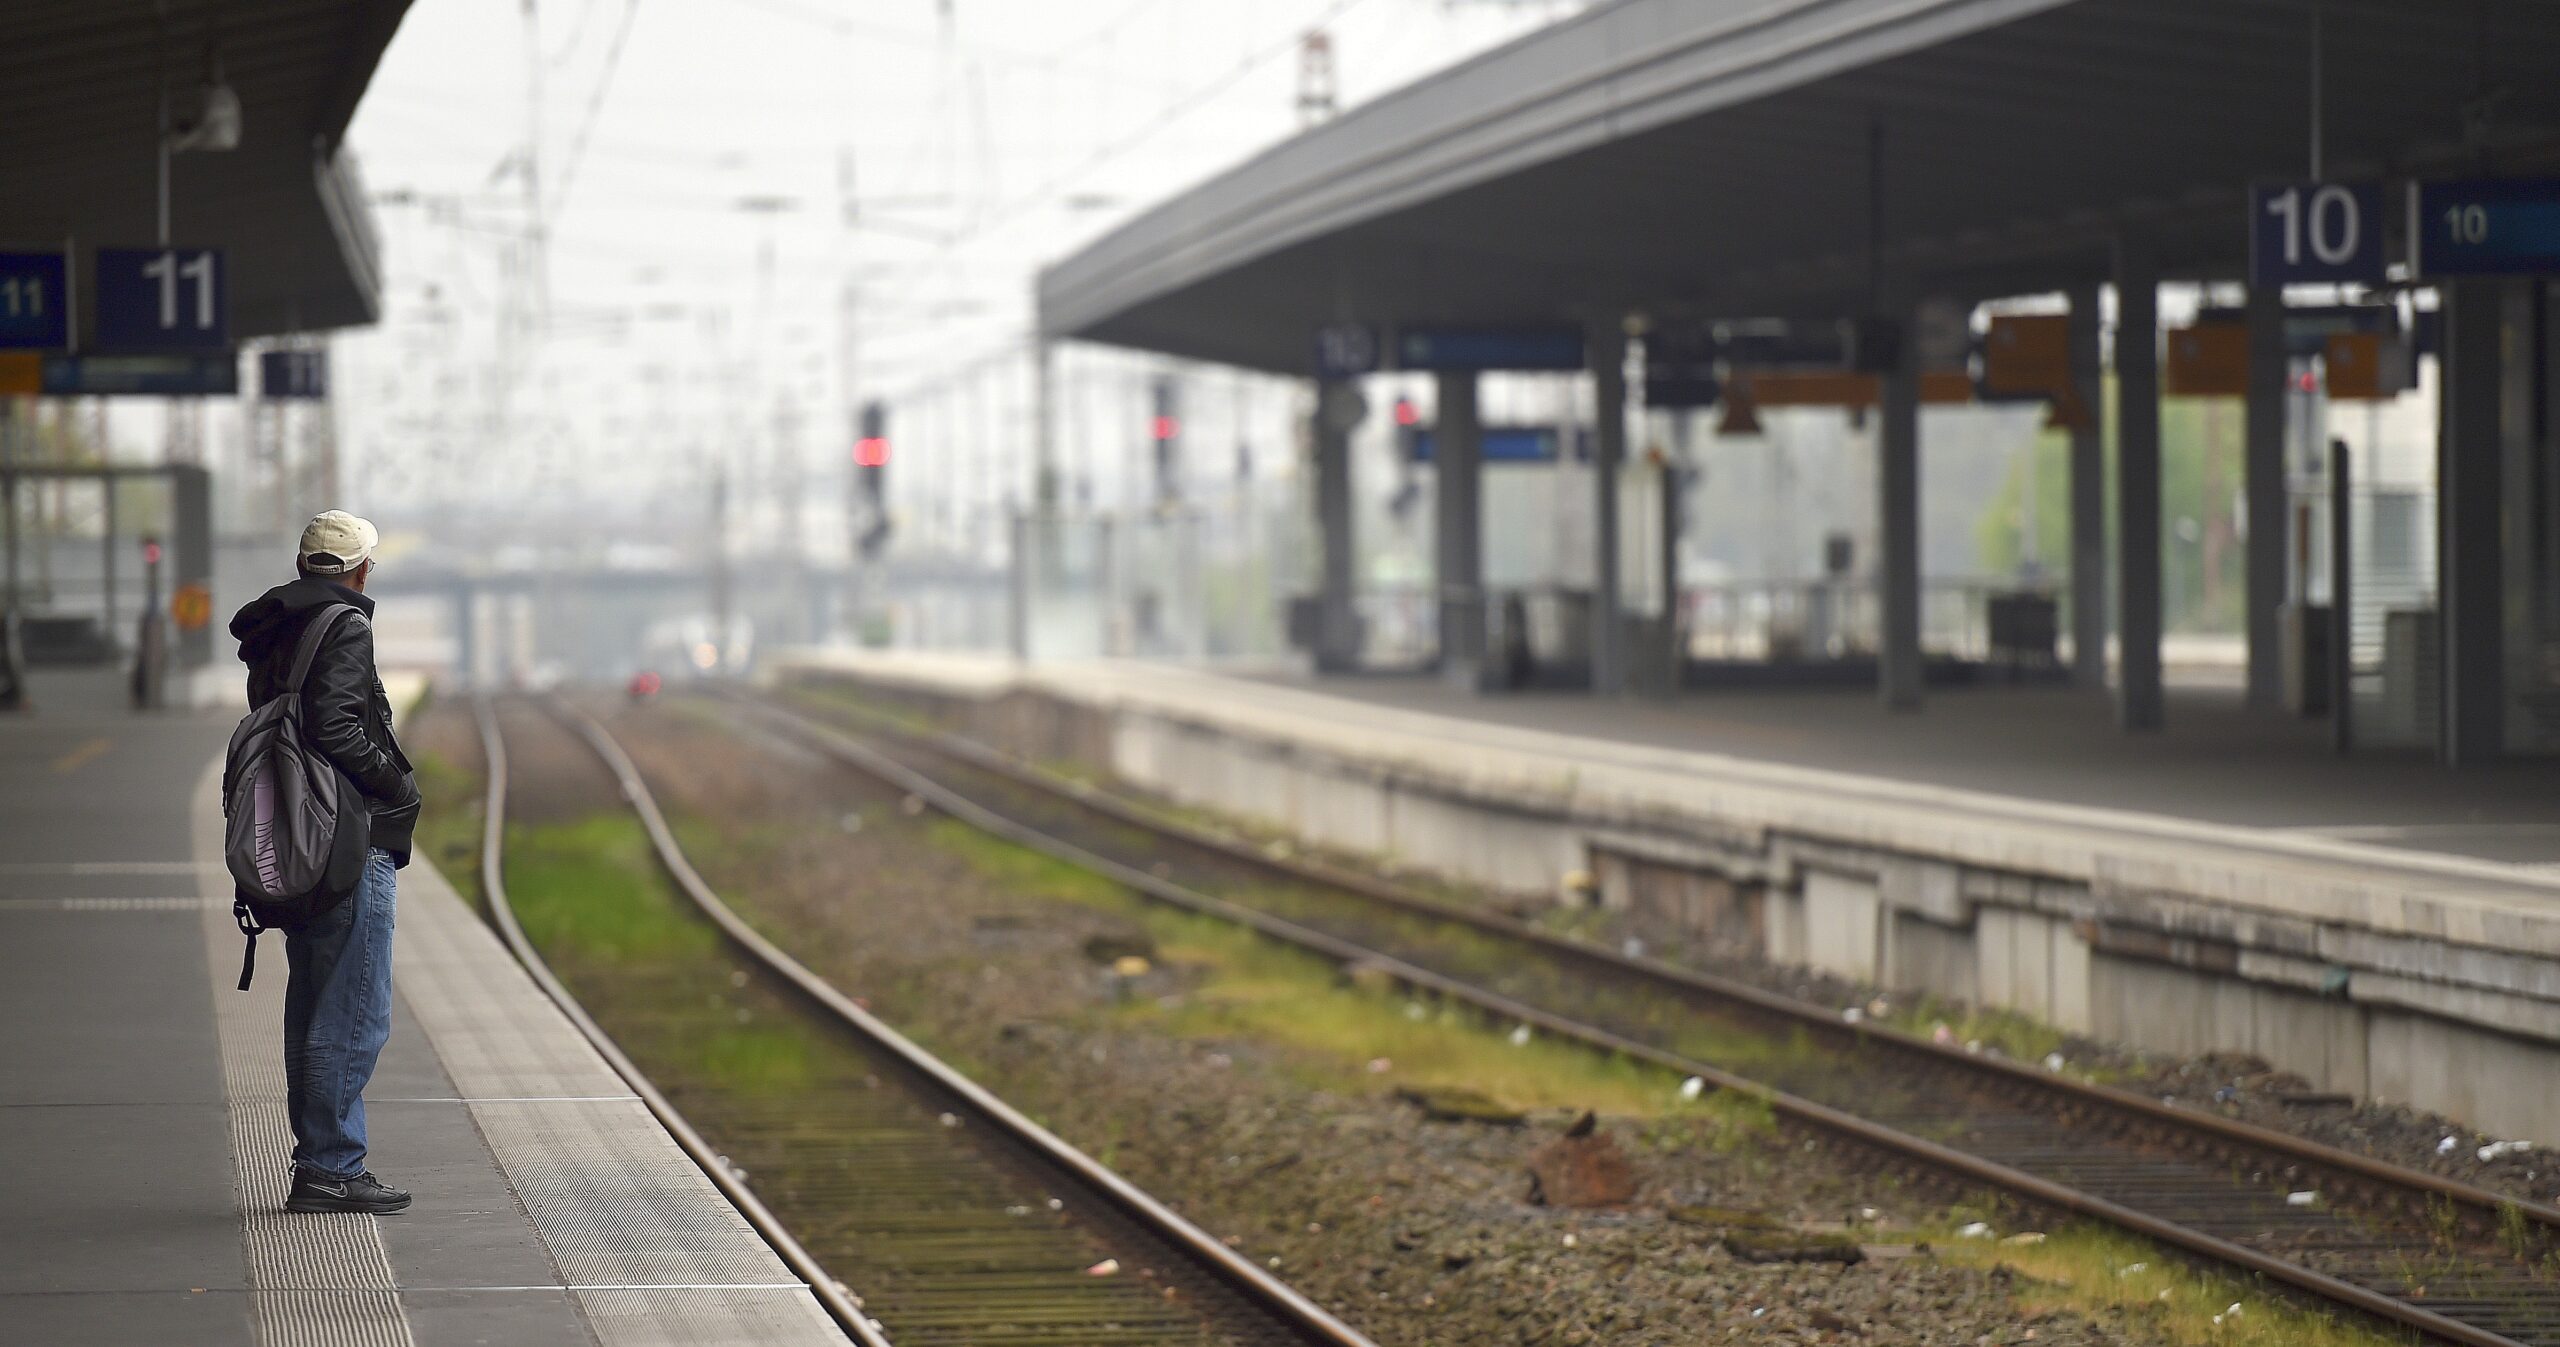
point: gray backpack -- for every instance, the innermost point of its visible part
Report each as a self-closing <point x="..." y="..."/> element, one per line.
<point x="295" y="828"/>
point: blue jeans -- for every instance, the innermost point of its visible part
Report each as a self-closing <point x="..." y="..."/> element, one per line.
<point x="337" y="1013"/>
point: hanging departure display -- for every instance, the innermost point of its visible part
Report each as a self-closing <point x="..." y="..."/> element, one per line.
<point x="2485" y="227"/>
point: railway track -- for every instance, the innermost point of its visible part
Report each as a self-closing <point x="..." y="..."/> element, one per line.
<point x="961" y="1220"/>
<point x="2414" y="1250"/>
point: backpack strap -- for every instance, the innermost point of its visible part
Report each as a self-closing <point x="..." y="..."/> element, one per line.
<point x="248" y="927"/>
<point x="308" y="648"/>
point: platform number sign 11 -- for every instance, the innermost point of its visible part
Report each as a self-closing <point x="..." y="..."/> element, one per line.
<point x="162" y="299"/>
<point x="35" y="305"/>
<point x="2315" y="232"/>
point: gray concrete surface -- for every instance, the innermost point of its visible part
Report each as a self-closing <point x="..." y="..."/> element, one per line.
<point x="118" y="1218"/>
<point x="2215" y="761"/>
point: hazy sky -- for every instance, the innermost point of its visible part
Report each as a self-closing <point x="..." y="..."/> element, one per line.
<point x="679" y="139"/>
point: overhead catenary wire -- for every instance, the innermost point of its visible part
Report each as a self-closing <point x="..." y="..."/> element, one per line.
<point x="1172" y="112"/>
<point x="576" y="158"/>
<point x="577" y="30"/>
<point x="1051" y="61"/>
<point x="599" y="227"/>
<point x="1250" y="64"/>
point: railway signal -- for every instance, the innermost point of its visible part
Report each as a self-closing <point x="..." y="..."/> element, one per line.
<point x="1164" y="428"/>
<point x="871" y="476"/>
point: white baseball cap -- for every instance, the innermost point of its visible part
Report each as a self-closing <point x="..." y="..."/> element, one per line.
<point x="335" y="542"/>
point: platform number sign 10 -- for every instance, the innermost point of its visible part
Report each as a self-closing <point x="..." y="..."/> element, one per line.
<point x="162" y="299"/>
<point x="2316" y="232"/>
<point x="1346" y="350"/>
<point x="35" y="311"/>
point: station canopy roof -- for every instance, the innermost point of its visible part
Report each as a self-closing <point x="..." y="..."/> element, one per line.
<point x="1716" y="157"/>
<point x="80" y="85"/>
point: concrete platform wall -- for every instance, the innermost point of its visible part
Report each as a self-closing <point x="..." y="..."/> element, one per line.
<point x="2123" y="951"/>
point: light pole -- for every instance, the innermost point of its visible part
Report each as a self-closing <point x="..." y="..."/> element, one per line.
<point x="767" y="207"/>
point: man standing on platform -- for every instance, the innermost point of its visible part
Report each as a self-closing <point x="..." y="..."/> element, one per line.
<point x="337" y="1002"/>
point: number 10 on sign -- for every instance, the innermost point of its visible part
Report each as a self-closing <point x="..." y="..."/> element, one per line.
<point x="2315" y="232"/>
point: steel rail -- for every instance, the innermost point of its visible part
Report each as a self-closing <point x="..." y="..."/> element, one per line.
<point x="833" y="1298"/>
<point x="2485" y="1207"/>
<point x="1255" y="1286"/>
<point x="1858" y="1130"/>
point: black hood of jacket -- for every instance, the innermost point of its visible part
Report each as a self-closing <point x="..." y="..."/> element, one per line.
<point x="276" y="617"/>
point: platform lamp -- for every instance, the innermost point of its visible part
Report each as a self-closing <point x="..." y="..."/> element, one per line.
<point x="215" y="126"/>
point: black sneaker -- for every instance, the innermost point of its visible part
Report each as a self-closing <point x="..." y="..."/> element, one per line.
<point x="364" y="1192"/>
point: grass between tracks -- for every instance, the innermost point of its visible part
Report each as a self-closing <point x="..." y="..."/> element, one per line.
<point x="591" y="896"/>
<point x="1349" y="1036"/>
<point x="2085" y="1267"/>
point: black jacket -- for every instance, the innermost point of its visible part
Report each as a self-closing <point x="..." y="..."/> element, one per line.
<point x="345" y="712"/>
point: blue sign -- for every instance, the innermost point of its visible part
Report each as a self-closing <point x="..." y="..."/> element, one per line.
<point x="168" y="376"/>
<point x="2328" y="232"/>
<point x="1791" y="346"/>
<point x="1346" y="351"/>
<point x="1503" y="444"/>
<point x="1680" y="366"/>
<point x="162" y="299"/>
<point x="1682" y="389"/>
<point x="1463" y="348"/>
<point x="2308" y="327"/>
<point x="35" y="302"/>
<point x="2486" y="227"/>
<point x="293" y="374"/>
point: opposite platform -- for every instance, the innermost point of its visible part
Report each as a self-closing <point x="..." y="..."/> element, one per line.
<point x="143" y="1099"/>
<point x="2184" y="894"/>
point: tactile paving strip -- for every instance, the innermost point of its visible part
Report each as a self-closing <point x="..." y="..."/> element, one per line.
<point x="315" y="1280"/>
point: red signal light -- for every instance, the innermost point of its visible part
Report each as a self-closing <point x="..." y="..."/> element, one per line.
<point x="151" y="553"/>
<point x="1406" y="413"/>
<point x="871" y="451"/>
<point x="1166" y="427"/>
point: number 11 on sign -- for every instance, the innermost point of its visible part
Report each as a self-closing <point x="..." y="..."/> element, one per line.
<point x="35" y="311"/>
<point x="170" y="272"/>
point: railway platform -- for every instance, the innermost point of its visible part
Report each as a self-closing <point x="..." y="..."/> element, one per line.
<point x="2388" y="929"/>
<point x="141" y="1101"/>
